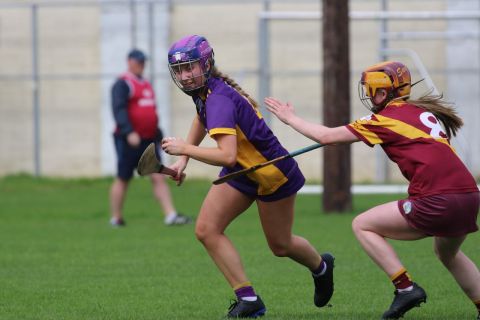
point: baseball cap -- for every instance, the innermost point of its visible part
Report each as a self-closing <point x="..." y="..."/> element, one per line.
<point x="137" y="55"/>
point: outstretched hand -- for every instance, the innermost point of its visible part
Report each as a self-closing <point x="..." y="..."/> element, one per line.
<point x="284" y="112"/>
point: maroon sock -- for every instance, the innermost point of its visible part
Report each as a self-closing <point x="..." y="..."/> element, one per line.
<point x="401" y="280"/>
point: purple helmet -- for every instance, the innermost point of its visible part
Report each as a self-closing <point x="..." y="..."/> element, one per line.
<point x="188" y="50"/>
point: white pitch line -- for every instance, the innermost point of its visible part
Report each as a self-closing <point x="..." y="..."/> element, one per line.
<point x="361" y="189"/>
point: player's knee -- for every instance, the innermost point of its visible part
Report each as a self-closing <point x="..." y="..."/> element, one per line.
<point x="357" y="225"/>
<point x="279" y="249"/>
<point x="203" y="233"/>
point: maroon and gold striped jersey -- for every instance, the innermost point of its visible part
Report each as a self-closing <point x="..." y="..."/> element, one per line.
<point x="414" y="139"/>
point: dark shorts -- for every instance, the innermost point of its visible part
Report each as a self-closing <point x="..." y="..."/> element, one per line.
<point x="442" y="215"/>
<point x="295" y="182"/>
<point x="127" y="156"/>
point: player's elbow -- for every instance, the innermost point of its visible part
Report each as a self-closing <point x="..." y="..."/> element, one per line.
<point x="230" y="160"/>
<point x="326" y="139"/>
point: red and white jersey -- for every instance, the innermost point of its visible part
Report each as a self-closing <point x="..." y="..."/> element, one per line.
<point x="142" y="111"/>
<point x="414" y="139"/>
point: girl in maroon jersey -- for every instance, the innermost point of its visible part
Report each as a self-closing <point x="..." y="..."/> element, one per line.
<point x="443" y="199"/>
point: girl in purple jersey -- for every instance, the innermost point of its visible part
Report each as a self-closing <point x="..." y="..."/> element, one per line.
<point x="231" y="117"/>
<point x="443" y="197"/>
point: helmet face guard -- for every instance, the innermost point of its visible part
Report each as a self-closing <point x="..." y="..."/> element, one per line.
<point x="188" y="70"/>
<point x="393" y="77"/>
<point x="190" y="61"/>
<point x="368" y="86"/>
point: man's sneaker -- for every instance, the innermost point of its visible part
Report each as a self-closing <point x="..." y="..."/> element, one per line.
<point x="115" y="222"/>
<point x="179" y="220"/>
<point x="246" y="309"/>
<point x="324" y="283"/>
<point x="404" y="301"/>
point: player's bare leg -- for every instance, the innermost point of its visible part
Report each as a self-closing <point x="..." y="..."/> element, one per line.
<point x="221" y="206"/>
<point x="277" y="222"/>
<point x="371" y="228"/>
<point x="118" y="191"/>
<point x="460" y="266"/>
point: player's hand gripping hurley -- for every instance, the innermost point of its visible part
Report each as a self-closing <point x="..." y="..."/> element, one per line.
<point x="264" y="164"/>
<point x="149" y="163"/>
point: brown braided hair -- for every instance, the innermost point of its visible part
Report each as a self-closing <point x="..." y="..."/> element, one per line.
<point x="218" y="74"/>
<point x="443" y="110"/>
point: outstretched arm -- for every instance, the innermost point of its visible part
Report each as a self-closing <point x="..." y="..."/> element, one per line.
<point x="316" y="132"/>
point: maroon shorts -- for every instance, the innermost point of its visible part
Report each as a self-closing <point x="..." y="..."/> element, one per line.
<point x="442" y="215"/>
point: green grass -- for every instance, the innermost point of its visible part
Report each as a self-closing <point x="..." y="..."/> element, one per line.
<point x="59" y="259"/>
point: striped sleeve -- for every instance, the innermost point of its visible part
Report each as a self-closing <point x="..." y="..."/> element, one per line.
<point x="364" y="130"/>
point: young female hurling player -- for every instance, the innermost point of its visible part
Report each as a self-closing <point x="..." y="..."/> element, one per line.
<point x="443" y="197"/>
<point x="231" y="117"/>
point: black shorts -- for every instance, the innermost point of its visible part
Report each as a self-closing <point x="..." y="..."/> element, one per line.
<point x="127" y="156"/>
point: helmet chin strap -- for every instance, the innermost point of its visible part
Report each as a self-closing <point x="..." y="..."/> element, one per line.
<point x="196" y="92"/>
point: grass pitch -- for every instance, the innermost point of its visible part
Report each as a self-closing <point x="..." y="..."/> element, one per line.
<point x="60" y="259"/>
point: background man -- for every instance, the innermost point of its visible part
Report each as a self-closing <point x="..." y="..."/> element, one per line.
<point x="134" y="110"/>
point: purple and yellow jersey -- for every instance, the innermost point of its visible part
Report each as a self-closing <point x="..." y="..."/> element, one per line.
<point x="414" y="139"/>
<point x="227" y="112"/>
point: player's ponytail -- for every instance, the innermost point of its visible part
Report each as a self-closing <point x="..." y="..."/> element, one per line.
<point x="217" y="74"/>
<point x="443" y="110"/>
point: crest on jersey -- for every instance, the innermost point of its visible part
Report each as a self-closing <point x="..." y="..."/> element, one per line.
<point x="367" y="118"/>
<point x="407" y="207"/>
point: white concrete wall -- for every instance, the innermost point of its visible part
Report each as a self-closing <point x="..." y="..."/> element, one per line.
<point x="116" y="42"/>
<point x="463" y="87"/>
<point x="91" y="43"/>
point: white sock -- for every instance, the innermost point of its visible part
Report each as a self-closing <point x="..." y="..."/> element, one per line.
<point x="170" y="217"/>
<point x="406" y="289"/>
<point x="250" y="298"/>
<point x="321" y="273"/>
<point x="324" y="270"/>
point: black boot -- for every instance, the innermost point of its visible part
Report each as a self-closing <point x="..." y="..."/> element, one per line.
<point x="324" y="283"/>
<point x="246" y="309"/>
<point x="404" y="301"/>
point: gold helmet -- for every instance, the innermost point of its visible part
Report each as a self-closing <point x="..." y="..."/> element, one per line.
<point x="392" y="76"/>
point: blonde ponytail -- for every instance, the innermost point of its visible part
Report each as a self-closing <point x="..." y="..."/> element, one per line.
<point x="217" y="74"/>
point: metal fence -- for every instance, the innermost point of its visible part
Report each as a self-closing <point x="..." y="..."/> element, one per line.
<point x="59" y="59"/>
<point x="463" y="28"/>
